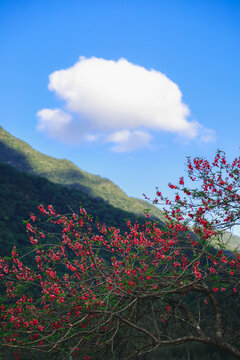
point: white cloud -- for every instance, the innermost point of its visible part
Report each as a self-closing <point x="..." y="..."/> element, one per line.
<point x="208" y="135"/>
<point x="59" y="124"/>
<point x="116" y="101"/>
<point x="128" y="141"/>
<point x="53" y="122"/>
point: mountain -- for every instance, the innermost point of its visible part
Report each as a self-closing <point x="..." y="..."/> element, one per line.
<point x="22" y="193"/>
<point x="22" y="156"/>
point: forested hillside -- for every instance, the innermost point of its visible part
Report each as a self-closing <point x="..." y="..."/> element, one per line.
<point x="23" y="157"/>
<point x="22" y="193"/>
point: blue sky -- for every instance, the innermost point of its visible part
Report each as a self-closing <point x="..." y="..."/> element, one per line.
<point x="157" y="81"/>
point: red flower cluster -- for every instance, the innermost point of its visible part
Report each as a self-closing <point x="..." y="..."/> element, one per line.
<point x="87" y="275"/>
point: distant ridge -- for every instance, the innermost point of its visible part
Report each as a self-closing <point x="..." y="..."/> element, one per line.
<point x="22" y="156"/>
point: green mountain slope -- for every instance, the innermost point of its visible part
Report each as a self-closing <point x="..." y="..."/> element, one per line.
<point x="23" y="157"/>
<point x="22" y="193"/>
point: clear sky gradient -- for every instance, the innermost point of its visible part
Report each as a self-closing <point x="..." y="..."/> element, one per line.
<point x="118" y="118"/>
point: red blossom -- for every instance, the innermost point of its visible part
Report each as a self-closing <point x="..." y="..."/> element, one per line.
<point x="79" y="284"/>
<point x="172" y="186"/>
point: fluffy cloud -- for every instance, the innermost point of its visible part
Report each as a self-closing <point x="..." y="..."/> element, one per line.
<point x="115" y="101"/>
<point x="54" y="121"/>
<point x="126" y="140"/>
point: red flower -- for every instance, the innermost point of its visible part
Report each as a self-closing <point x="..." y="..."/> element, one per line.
<point x="181" y="181"/>
<point x="172" y="186"/>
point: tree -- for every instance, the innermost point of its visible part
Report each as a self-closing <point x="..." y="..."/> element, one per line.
<point x="95" y="292"/>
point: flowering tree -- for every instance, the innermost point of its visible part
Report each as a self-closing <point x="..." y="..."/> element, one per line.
<point x="95" y="292"/>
